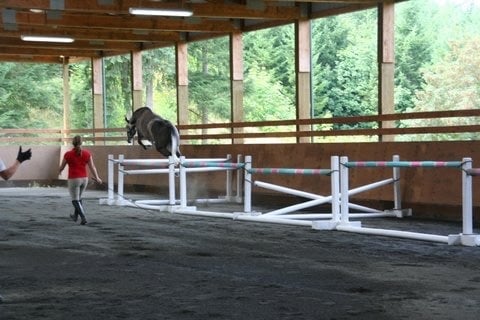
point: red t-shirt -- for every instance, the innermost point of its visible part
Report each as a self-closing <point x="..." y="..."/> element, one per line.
<point x="77" y="164"/>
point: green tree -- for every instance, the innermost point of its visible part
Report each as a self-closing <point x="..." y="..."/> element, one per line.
<point x="345" y="65"/>
<point x="269" y="65"/>
<point x="81" y="100"/>
<point x="118" y="95"/>
<point x="209" y="81"/>
<point x="265" y="99"/>
<point x="412" y="51"/>
<point x="159" y="81"/>
<point x="451" y="84"/>
<point x="31" y="95"/>
<point x="328" y="38"/>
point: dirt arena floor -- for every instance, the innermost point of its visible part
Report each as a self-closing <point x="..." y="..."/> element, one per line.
<point x="131" y="263"/>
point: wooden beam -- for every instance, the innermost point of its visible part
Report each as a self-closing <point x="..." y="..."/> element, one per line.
<point x="181" y="66"/>
<point x="51" y="52"/>
<point x="123" y="35"/>
<point x="30" y="58"/>
<point x="98" y="95"/>
<point x="137" y="79"/>
<point x="211" y="9"/>
<point x="386" y="63"/>
<point x="76" y="45"/>
<point x="236" y="81"/>
<point x="115" y="22"/>
<point x="303" y="73"/>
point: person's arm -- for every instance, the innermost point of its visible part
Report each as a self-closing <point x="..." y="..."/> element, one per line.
<point x="62" y="166"/>
<point x="21" y="156"/>
<point x="93" y="170"/>
<point x="10" y="171"/>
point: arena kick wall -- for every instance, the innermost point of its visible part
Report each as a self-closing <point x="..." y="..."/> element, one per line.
<point x="430" y="192"/>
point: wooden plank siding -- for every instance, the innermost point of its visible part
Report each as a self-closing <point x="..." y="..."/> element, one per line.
<point x="8" y="136"/>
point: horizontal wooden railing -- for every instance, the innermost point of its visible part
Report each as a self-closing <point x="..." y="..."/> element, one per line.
<point x="298" y="128"/>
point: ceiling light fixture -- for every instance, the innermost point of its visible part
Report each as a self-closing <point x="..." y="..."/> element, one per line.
<point x="160" y="12"/>
<point x="47" y="39"/>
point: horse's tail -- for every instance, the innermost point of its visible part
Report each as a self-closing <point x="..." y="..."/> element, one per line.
<point x="175" y="143"/>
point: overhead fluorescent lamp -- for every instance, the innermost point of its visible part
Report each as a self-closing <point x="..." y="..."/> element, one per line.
<point x="47" y="39"/>
<point x="160" y="12"/>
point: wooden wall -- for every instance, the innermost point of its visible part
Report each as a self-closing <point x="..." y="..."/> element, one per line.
<point x="431" y="192"/>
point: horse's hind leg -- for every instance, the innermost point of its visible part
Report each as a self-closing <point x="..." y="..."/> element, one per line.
<point x="164" y="151"/>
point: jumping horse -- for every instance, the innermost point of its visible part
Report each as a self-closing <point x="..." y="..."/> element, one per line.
<point x="160" y="132"/>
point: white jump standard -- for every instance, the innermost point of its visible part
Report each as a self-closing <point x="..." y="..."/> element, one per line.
<point x="161" y="166"/>
<point x="338" y="173"/>
<point x="466" y="238"/>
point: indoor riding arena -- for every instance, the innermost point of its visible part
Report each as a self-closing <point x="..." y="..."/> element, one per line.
<point x="324" y="160"/>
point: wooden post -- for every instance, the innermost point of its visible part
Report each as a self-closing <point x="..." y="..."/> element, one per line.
<point x="181" y="54"/>
<point x="236" y="76"/>
<point x="303" y="74"/>
<point x="98" y="94"/>
<point x="137" y="79"/>
<point x="66" y="100"/>
<point x="386" y="64"/>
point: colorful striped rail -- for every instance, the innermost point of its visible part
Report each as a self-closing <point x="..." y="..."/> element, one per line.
<point x="473" y="171"/>
<point x="405" y="164"/>
<point x="292" y="171"/>
<point x="198" y="164"/>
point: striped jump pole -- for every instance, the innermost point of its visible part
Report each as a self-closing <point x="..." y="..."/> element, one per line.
<point x="315" y="199"/>
<point x="396" y="164"/>
<point x="403" y="164"/>
<point x="144" y="162"/>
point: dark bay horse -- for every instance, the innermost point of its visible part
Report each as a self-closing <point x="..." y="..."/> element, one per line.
<point x="160" y="132"/>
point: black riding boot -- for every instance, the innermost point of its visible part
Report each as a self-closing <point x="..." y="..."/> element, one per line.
<point x="74" y="215"/>
<point x="79" y="209"/>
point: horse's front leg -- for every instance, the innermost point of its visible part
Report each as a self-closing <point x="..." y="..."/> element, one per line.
<point x="139" y="139"/>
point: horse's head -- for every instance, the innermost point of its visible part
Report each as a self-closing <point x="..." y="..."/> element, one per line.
<point x="131" y="130"/>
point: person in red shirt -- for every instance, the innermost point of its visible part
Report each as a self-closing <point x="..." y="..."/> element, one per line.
<point x="78" y="159"/>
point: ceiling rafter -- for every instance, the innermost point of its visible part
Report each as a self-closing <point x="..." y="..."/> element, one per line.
<point x="105" y="27"/>
<point x="205" y="9"/>
<point x="84" y="33"/>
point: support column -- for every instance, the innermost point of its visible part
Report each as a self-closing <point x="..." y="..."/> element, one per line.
<point x="181" y="55"/>
<point x="98" y="97"/>
<point x="236" y="86"/>
<point x="303" y="75"/>
<point x="66" y="101"/>
<point x="137" y="79"/>
<point x="386" y="64"/>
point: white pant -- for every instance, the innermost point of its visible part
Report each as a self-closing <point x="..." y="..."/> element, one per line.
<point x="76" y="187"/>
